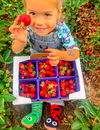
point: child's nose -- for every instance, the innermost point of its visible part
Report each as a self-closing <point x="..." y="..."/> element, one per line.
<point x="40" y="21"/>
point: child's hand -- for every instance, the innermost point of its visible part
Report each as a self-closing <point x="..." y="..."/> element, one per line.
<point x="54" y="56"/>
<point x="18" y="33"/>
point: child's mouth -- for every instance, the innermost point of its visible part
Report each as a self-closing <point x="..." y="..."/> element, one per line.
<point x="41" y="29"/>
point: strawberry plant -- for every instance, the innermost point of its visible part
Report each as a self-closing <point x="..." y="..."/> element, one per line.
<point x="88" y="116"/>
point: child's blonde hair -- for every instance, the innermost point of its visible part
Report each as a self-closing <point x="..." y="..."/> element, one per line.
<point x="58" y="2"/>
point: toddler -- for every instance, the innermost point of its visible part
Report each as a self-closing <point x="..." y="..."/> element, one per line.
<point x="45" y="34"/>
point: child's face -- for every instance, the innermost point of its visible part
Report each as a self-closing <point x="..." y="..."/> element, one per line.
<point x="44" y="15"/>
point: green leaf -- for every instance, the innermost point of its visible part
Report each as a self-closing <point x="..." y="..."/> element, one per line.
<point x="1" y="85"/>
<point x="17" y="127"/>
<point x="79" y="115"/>
<point x="10" y="60"/>
<point x="2" y="12"/>
<point x="2" y="121"/>
<point x="2" y="43"/>
<point x="1" y="59"/>
<point x="9" y="128"/>
<point x="7" y="54"/>
<point x="76" y="125"/>
<point x="91" y="108"/>
<point x="8" y="97"/>
<point x="1" y="72"/>
<point x="97" y="59"/>
<point x="98" y="111"/>
<point x="80" y="105"/>
<point x="84" y="126"/>
<point x="1" y="103"/>
<point x="4" y="23"/>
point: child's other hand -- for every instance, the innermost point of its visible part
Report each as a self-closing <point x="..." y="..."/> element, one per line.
<point x="18" y="33"/>
<point x="54" y="56"/>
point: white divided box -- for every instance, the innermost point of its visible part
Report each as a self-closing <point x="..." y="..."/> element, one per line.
<point x="22" y="100"/>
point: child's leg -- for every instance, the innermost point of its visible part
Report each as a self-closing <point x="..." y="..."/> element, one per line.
<point x="34" y="117"/>
<point x="53" y="121"/>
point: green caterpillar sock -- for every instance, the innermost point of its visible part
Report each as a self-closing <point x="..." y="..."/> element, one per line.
<point x="34" y="117"/>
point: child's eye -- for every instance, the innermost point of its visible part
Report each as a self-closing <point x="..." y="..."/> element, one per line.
<point x="47" y="15"/>
<point x="32" y="13"/>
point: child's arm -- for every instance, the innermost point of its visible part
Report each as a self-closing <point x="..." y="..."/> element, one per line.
<point x="56" y="55"/>
<point x="20" y="36"/>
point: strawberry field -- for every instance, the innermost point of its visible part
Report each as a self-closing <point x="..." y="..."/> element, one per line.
<point x="83" y="19"/>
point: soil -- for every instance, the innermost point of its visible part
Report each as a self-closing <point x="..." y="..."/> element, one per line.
<point x="91" y="80"/>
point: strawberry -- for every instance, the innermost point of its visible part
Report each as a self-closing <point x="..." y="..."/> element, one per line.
<point x="32" y="90"/>
<point x="71" y="91"/>
<point x="46" y="67"/>
<point x="43" y="85"/>
<point x="51" y="74"/>
<point x="61" y="63"/>
<point x="63" y="93"/>
<point x="29" y="64"/>
<point x="66" y="63"/>
<point x="25" y="20"/>
<point x="42" y="74"/>
<point x="26" y="74"/>
<point x="61" y="73"/>
<point x="22" y="94"/>
<point x="22" y="66"/>
<point x="71" y="86"/>
<point x="67" y="89"/>
<point x="67" y="83"/>
<point x="48" y="95"/>
<point x="68" y="73"/>
<point x="69" y="63"/>
<point x="32" y="95"/>
<point x="22" y="71"/>
<point x="71" y="81"/>
<point x="30" y="70"/>
<point x="54" y="89"/>
<point x="62" y="84"/>
<point x="47" y="72"/>
<point x="41" y="63"/>
<point x="26" y="89"/>
<point x="52" y="69"/>
<point x="22" y="76"/>
<point x="54" y="94"/>
<point x="43" y="93"/>
<point x="48" y="62"/>
<point x="60" y="67"/>
<point x="65" y="68"/>
<point x="90" y="53"/>
<point x="32" y="74"/>
<point x="41" y="67"/>
<point x="27" y="94"/>
<point x="23" y="85"/>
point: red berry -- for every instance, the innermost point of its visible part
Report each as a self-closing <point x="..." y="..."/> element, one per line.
<point x="80" y="14"/>
<point x="94" y="29"/>
<point x="29" y="64"/>
<point x="61" y="63"/>
<point x="98" y="24"/>
<point x="32" y="74"/>
<point x="91" y="18"/>
<point x="22" y="76"/>
<point x="32" y="90"/>
<point x="71" y="86"/>
<point x="87" y="52"/>
<point x="89" y="47"/>
<point x="30" y="70"/>
<point x="23" y="85"/>
<point x="26" y="89"/>
<point x="90" y="53"/>
<point x="25" y="19"/>
<point x="71" y="91"/>
<point x="93" y="22"/>
<point x="63" y="93"/>
<point x="87" y="4"/>
<point x="42" y="93"/>
<point x="22" y="94"/>
<point x="48" y="95"/>
<point x="71" y="81"/>
<point x="32" y="95"/>
<point x="68" y="73"/>
<point x="22" y="66"/>
<point x="85" y="42"/>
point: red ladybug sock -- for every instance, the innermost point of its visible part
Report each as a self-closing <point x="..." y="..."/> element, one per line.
<point x="53" y="121"/>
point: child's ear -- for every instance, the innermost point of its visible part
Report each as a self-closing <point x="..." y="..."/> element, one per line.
<point x="59" y="13"/>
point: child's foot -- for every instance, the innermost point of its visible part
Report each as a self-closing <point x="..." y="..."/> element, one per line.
<point x="53" y="121"/>
<point x="34" y="117"/>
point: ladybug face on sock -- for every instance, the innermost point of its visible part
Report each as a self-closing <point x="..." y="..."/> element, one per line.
<point x="51" y="122"/>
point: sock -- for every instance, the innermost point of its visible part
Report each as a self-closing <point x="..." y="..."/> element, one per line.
<point x="53" y="121"/>
<point x="34" y="117"/>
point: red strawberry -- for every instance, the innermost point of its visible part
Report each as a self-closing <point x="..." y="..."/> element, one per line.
<point x="32" y="74"/>
<point x="69" y="63"/>
<point x="61" y="63"/>
<point x="60" y="67"/>
<point x="71" y="91"/>
<point x="32" y="95"/>
<point x="30" y="70"/>
<point x="55" y="83"/>
<point x="61" y="73"/>
<point x="71" y="81"/>
<point x="26" y="74"/>
<point x="41" y="67"/>
<point x="43" y="93"/>
<point x="71" y="86"/>
<point x="25" y="20"/>
<point x="29" y="64"/>
<point x="23" y="85"/>
<point x="41" y="63"/>
<point x="48" y="95"/>
<point x="47" y="72"/>
<point x="54" y="94"/>
<point x="66" y="63"/>
<point x="52" y="69"/>
<point x="54" y="89"/>
<point x="43" y="85"/>
<point x="26" y="89"/>
<point x="68" y="73"/>
<point x="63" y="93"/>
<point x="62" y="84"/>
<point x="27" y="94"/>
<point x="48" y="62"/>
<point x="51" y="74"/>
<point x="22" y="76"/>
<point x="42" y="74"/>
<point x="22" y="66"/>
<point x="32" y="90"/>
<point x="22" y="71"/>
<point x="46" y="67"/>
<point x="67" y="89"/>
<point x="22" y="94"/>
<point x="67" y="83"/>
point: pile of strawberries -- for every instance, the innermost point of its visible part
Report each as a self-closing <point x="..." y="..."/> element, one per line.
<point x="28" y="90"/>
<point x="45" y="69"/>
<point x="27" y="70"/>
<point x="65" y="68"/>
<point x="67" y="87"/>
<point x="48" y="89"/>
